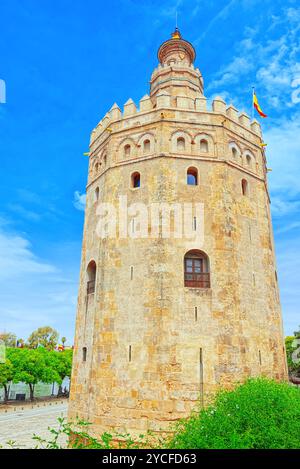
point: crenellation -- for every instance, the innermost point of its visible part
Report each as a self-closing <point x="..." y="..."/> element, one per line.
<point x="185" y="102"/>
<point x="232" y="112"/>
<point x="115" y="113"/>
<point x="129" y="108"/>
<point x="201" y="104"/>
<point x="146" y="103"/>
<point x="244" y="120"/>
<point x="219" y="105"/>
<point x="105" y="121"/>
<point x="255" y="127"/>
<point x="163" y="99"/>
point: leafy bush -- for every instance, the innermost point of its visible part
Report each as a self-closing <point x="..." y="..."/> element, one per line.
<point x="258" y="414"/>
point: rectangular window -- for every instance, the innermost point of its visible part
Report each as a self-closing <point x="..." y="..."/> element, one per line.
<point x="195" y="273"/>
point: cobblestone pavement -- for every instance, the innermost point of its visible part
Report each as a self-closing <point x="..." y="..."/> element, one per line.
<point x="20" y="426"/>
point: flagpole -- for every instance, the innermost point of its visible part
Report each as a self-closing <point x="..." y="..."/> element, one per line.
<point x="253" y="91"/>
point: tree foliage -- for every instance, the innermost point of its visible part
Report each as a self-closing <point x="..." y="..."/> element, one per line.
<point x="8" y="338"/>
<point x="292" y="345"/>
<point x="44" y="336"/>
<point x="258" y="414"/>
<point x="6" y="376"/>
<point x="31" y="366"/>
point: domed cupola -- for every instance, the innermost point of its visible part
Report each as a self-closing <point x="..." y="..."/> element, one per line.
<point x="176" y="51"/>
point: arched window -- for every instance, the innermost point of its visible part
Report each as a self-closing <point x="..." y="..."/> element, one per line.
<point x="135" y="180"/>
<point x="248" y="159"/>
<point x="196" y="270"/>
<point x="96" y="194"/>
<point x="96" y="168"/>
<point x="245" y="189"/>
<point x="91" y="277"/>
<point x="105" y="159"/>
<point x="192" y="177"/>
<point x="180" y="144"/>
<point x="84" y="352"/>
<point x="127" y="150"/>
<point x="204" y="145"/>
<point x="146" y="147"/>
<point x="234" y="152"/>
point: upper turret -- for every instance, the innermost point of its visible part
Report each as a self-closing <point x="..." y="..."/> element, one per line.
<point x="176" y="74"/>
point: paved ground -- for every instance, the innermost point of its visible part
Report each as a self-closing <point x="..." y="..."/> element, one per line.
<point x="20" y="426"/>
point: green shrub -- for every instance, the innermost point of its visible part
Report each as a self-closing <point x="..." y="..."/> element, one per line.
<point x="257" y="414"/>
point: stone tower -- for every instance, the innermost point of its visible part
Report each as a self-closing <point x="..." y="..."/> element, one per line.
<point x="164" y="320"/>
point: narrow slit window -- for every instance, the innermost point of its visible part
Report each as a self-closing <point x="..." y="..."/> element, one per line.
<point x="131" y="272"/>
<point x="196" y="313"/>
<point x="201" y="377"/>
<point x="129" y="353"/>
<point x="84" y="352"/>
<point x="132" y="225"/>
<point x="245" y="189"/>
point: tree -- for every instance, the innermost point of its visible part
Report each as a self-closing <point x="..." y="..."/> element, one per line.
<point x="62" y="364"/>
<point x="292" y="345"/>
<point x="6" y="376"/>
<point x="31" y="366"/>
<point x="8" y="338"/>
<point x="63" y="340"/>
<point x="44" y="336"/>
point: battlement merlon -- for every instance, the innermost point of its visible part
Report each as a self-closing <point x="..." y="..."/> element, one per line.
<point x="165" y="102"/>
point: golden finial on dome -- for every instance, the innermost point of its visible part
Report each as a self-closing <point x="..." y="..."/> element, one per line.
<point x="176" y="34"/>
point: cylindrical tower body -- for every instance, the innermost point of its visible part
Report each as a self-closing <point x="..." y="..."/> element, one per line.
<point x="165" y="319"/>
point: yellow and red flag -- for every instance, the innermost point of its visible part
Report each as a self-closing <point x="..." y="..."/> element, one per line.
<point x="257" y="106"/>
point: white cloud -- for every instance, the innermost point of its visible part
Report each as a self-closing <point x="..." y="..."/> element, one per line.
<point x="289" y="272"/>
<point x="79" y="200"/>
<point x="232" y="73"/>
<point x="282" y="206"/>
<point x="272" y="65"/>
<point x="286" y="227"/>
<point x="223" y="13"/>
<point x="16" y="257"/>
<point x="283" y="153"/>
<point x="34" y="292"/>
<point x="24" y="212"/>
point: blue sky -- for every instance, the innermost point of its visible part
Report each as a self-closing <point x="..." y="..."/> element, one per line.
<point x="64" y="64"/>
